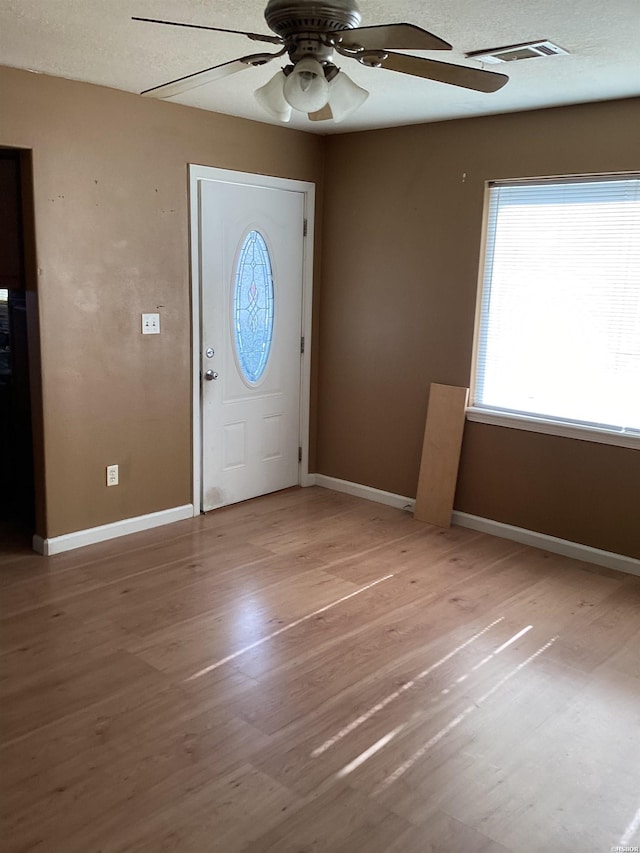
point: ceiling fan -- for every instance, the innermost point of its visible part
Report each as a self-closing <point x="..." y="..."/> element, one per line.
<point x="312" y="32"/>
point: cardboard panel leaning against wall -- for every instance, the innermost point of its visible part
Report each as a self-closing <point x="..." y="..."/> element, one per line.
<point x="111" y="210"/>
<point x="402" y="233"/>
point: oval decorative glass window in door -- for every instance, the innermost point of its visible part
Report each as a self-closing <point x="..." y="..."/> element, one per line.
<point x="253" y="307"/>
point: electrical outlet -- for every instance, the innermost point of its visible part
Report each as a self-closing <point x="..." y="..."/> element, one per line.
<point x="112" y="475"/>
<point x="150" y="324"/>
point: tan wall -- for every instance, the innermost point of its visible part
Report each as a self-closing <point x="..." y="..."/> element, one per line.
<point x="401" y="254"/>
<point x="111" y="212"/>
<point x="403" y="214"/>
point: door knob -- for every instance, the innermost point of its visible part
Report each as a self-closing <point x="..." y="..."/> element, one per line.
<point x="210" y="374"/>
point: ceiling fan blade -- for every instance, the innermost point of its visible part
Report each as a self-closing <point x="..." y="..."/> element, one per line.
<point x="324" y="114"/>
<point x="252" y="36"/>
<point x="208" y="75"/>
<point x="444" y="72"/>
<point x="391" y="37"/>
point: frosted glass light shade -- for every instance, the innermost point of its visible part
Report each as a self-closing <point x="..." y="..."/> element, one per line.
<point x="345" y="96"/>
<point x="271" y="98"/>
<point x="306" y="88"/>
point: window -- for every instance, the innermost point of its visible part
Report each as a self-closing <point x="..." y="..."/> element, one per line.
<point x="253" y="307"/>
<point x="558" y="333"/>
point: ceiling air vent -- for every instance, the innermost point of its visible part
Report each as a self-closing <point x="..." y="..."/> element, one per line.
<point x="512" y="52"/>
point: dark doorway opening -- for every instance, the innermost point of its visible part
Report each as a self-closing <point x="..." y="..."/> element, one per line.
<point x="17" y="493"/>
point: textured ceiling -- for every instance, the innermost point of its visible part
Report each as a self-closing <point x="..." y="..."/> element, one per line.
<point x="96" y="41"/>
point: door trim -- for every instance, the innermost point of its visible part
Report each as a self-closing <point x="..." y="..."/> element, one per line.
<point x="198" y="174"/>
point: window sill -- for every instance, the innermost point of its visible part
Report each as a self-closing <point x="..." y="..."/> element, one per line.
<point x="551" y="427"/>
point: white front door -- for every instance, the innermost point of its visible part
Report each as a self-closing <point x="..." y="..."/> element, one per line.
<point x="251" y="272"/>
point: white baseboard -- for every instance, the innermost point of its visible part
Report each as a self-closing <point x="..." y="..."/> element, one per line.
<point x="92" y="535"/>
<point x="565" y="547"/>
<point x="367" y="492"/>
<point x="548" y="543"/>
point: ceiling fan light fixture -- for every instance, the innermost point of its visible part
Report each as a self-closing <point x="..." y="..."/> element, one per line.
<point x="310" y="32"/>
<point x="345" y="96"/>
<point x="271" y="98"/>
<point x="306" y="88"/>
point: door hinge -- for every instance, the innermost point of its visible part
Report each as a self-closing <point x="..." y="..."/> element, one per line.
<point x="299" y="454"/>
<point x="304" y="228"/>
<point x="302" y="344"/>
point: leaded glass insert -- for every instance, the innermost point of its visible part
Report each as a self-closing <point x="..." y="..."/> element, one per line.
<point x="253" y="306"/>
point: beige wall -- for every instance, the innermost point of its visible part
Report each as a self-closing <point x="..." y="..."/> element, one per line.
<point x="403" y="214"/>
<point x="111" y="212"/>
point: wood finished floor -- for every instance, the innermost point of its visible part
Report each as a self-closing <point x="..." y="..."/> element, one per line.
<point x="313" y="672"/>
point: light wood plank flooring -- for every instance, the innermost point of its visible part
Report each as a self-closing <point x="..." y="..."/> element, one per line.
<point x="313" y="672"/>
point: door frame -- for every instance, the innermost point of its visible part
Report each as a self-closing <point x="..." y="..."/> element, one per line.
<point x="198" y="174"/>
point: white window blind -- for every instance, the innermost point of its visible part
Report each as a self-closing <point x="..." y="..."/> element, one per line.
<point x="559" y="325"/>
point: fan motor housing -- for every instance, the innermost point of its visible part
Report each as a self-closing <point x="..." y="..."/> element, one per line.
<point x="291" y="17"/>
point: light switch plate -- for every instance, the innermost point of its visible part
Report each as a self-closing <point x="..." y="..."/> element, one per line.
<point x="150" y="324"/>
